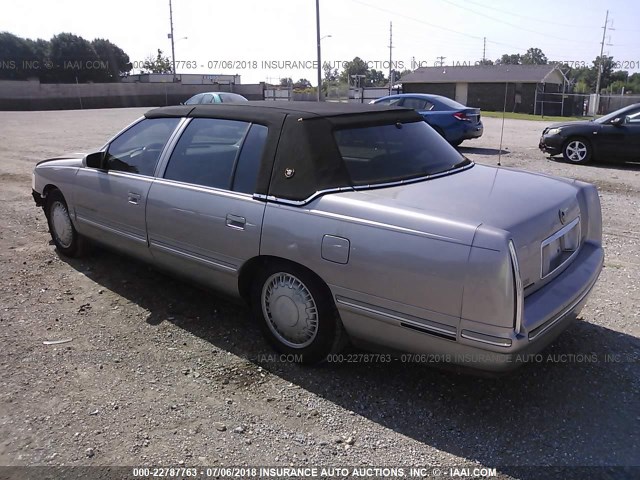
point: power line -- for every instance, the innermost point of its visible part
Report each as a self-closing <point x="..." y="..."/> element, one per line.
<point x="541" y="20"/>
<point x="456" y="32"/>
<point x="519" y="27"/>
<point x="433" y="25"/>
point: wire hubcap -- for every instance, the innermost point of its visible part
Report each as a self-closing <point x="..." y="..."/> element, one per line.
<point x="61" y="223"/>
<point x="290" y="310"/>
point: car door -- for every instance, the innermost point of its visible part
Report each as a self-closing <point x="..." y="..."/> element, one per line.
<point x="632" y="135"/>
<point x="110" y="202"/>
<point x="202" y="219"/>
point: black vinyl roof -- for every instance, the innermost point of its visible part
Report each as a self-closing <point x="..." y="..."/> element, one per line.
<point x="270" y="110"/>
<point x="300" y="139"/>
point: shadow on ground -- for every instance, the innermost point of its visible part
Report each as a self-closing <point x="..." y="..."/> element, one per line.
<point x="482" y="151"/>
<point x="608" y="164"/>
<point x="576" y="408"/>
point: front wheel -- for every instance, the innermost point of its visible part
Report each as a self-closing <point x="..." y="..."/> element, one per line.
<point x="577" y="150"/>
<point x="64" y="235"/>
<point x="296" y="313"/>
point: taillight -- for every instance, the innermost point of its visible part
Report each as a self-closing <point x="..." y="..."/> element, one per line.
<point x="462" y="116"/>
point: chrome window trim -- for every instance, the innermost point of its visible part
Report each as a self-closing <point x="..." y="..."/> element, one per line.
<point x="169" y="146"/>
<point x="202" y="188"/>
<point x="519" y="291"/>
<point x="560" y="233"/>
<point x="118" y="173"/>
<point x="319" y="193"/>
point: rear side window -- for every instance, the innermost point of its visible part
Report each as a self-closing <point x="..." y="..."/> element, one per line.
<point x="417" y="104"/>
<point x="390" y="153"/>
<point x="194" y="100"/>
<point x="207" y="152"/>
<point x="138" y="149"/>
<point x="389" y="101"/>
<point x="246" y="174"/>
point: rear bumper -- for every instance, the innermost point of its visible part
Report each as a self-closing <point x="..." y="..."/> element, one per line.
<point x="472" y="131"/>
<point x="547" y="313"/>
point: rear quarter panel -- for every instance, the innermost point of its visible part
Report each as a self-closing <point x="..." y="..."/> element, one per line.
<point x="391" y="266"/>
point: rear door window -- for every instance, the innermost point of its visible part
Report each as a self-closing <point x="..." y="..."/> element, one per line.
<point x="207" y="152"/>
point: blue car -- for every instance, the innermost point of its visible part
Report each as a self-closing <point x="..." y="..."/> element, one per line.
<point x="451" y="119"/>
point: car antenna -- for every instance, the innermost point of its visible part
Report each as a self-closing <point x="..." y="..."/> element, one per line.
<point x="504" y="111"/>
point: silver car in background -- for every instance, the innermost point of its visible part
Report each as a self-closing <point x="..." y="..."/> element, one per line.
<point x="336" y="222"/>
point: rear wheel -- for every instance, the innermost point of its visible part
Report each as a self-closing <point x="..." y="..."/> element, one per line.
<point x="296" y="313"/>
<point x="577" y="150"/>
<point x="67" y="240"/>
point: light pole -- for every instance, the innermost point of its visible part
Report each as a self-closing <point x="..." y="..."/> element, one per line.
<point x="318" y="96"/>
<point x="173" y="48"/>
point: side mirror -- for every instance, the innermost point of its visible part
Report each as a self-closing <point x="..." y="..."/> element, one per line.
<point x="616" y="122"/>
<point x="96" y="160"/>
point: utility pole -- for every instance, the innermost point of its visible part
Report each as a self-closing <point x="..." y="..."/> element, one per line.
<point x="604" y="33"/>
<point x="390" y="57"/>
<point x="318" y="96"/>
<point x="173" y="47"/>
<point x="441" y="60"/>
<point x="484" y="50"/>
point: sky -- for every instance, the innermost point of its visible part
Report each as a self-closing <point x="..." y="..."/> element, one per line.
<point x="256" y="39"/>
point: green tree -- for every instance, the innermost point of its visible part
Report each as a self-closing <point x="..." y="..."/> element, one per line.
<point x="534" y="56"/>
<point x="509" y="59"/>
<point x="330" y="77"/>
<point x="286" y="82"/>
<point x="114" y="63"/>
<point x="607" y="64"/>
<point x="485" y="61"/>
<point x="73" y="59"/>
<point x="160" y="64"/>
<point x="357" y="66"/>
<point x="18" y="57"/>
<point x="302" y="84"/>
<point x="375" y="78"/>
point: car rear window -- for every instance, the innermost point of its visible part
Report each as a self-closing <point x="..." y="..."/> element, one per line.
<point x="391" y="153"/>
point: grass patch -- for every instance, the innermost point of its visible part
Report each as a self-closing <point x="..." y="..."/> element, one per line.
<point x="526" y="116"/>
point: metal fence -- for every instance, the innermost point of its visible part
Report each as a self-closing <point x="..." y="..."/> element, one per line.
<point x="580" y="104"/>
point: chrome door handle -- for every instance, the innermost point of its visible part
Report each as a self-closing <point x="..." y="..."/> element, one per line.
<point x="133" y="198"/>
<point x="234" y="221"/>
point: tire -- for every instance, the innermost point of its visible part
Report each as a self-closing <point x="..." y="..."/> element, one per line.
<point x="65" y="237"/>
<point x="296" y="313"/>
<point x="577" y="150"/>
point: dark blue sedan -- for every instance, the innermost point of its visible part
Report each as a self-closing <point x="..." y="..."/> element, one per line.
<point x="451" y="119"/>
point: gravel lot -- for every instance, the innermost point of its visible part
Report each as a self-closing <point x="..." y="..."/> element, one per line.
<point x="160" y="372"/>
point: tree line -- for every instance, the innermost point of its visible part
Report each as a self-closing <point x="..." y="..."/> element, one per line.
<point x="581" y="75"/>
<point x="65" y="58"/>
<point x="69" y="58"/>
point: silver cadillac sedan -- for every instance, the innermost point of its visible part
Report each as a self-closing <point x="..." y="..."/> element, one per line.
<point x="339" y="222"/>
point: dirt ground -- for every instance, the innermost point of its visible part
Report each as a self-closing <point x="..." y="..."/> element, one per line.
<point x="159" y="372"/>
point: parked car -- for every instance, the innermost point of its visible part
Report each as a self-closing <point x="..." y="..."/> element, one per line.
<point x="215" y="97"/>
<point x="336" y="220"/>
<point x="455" y="122"/>
<point x="613" y="137"/>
